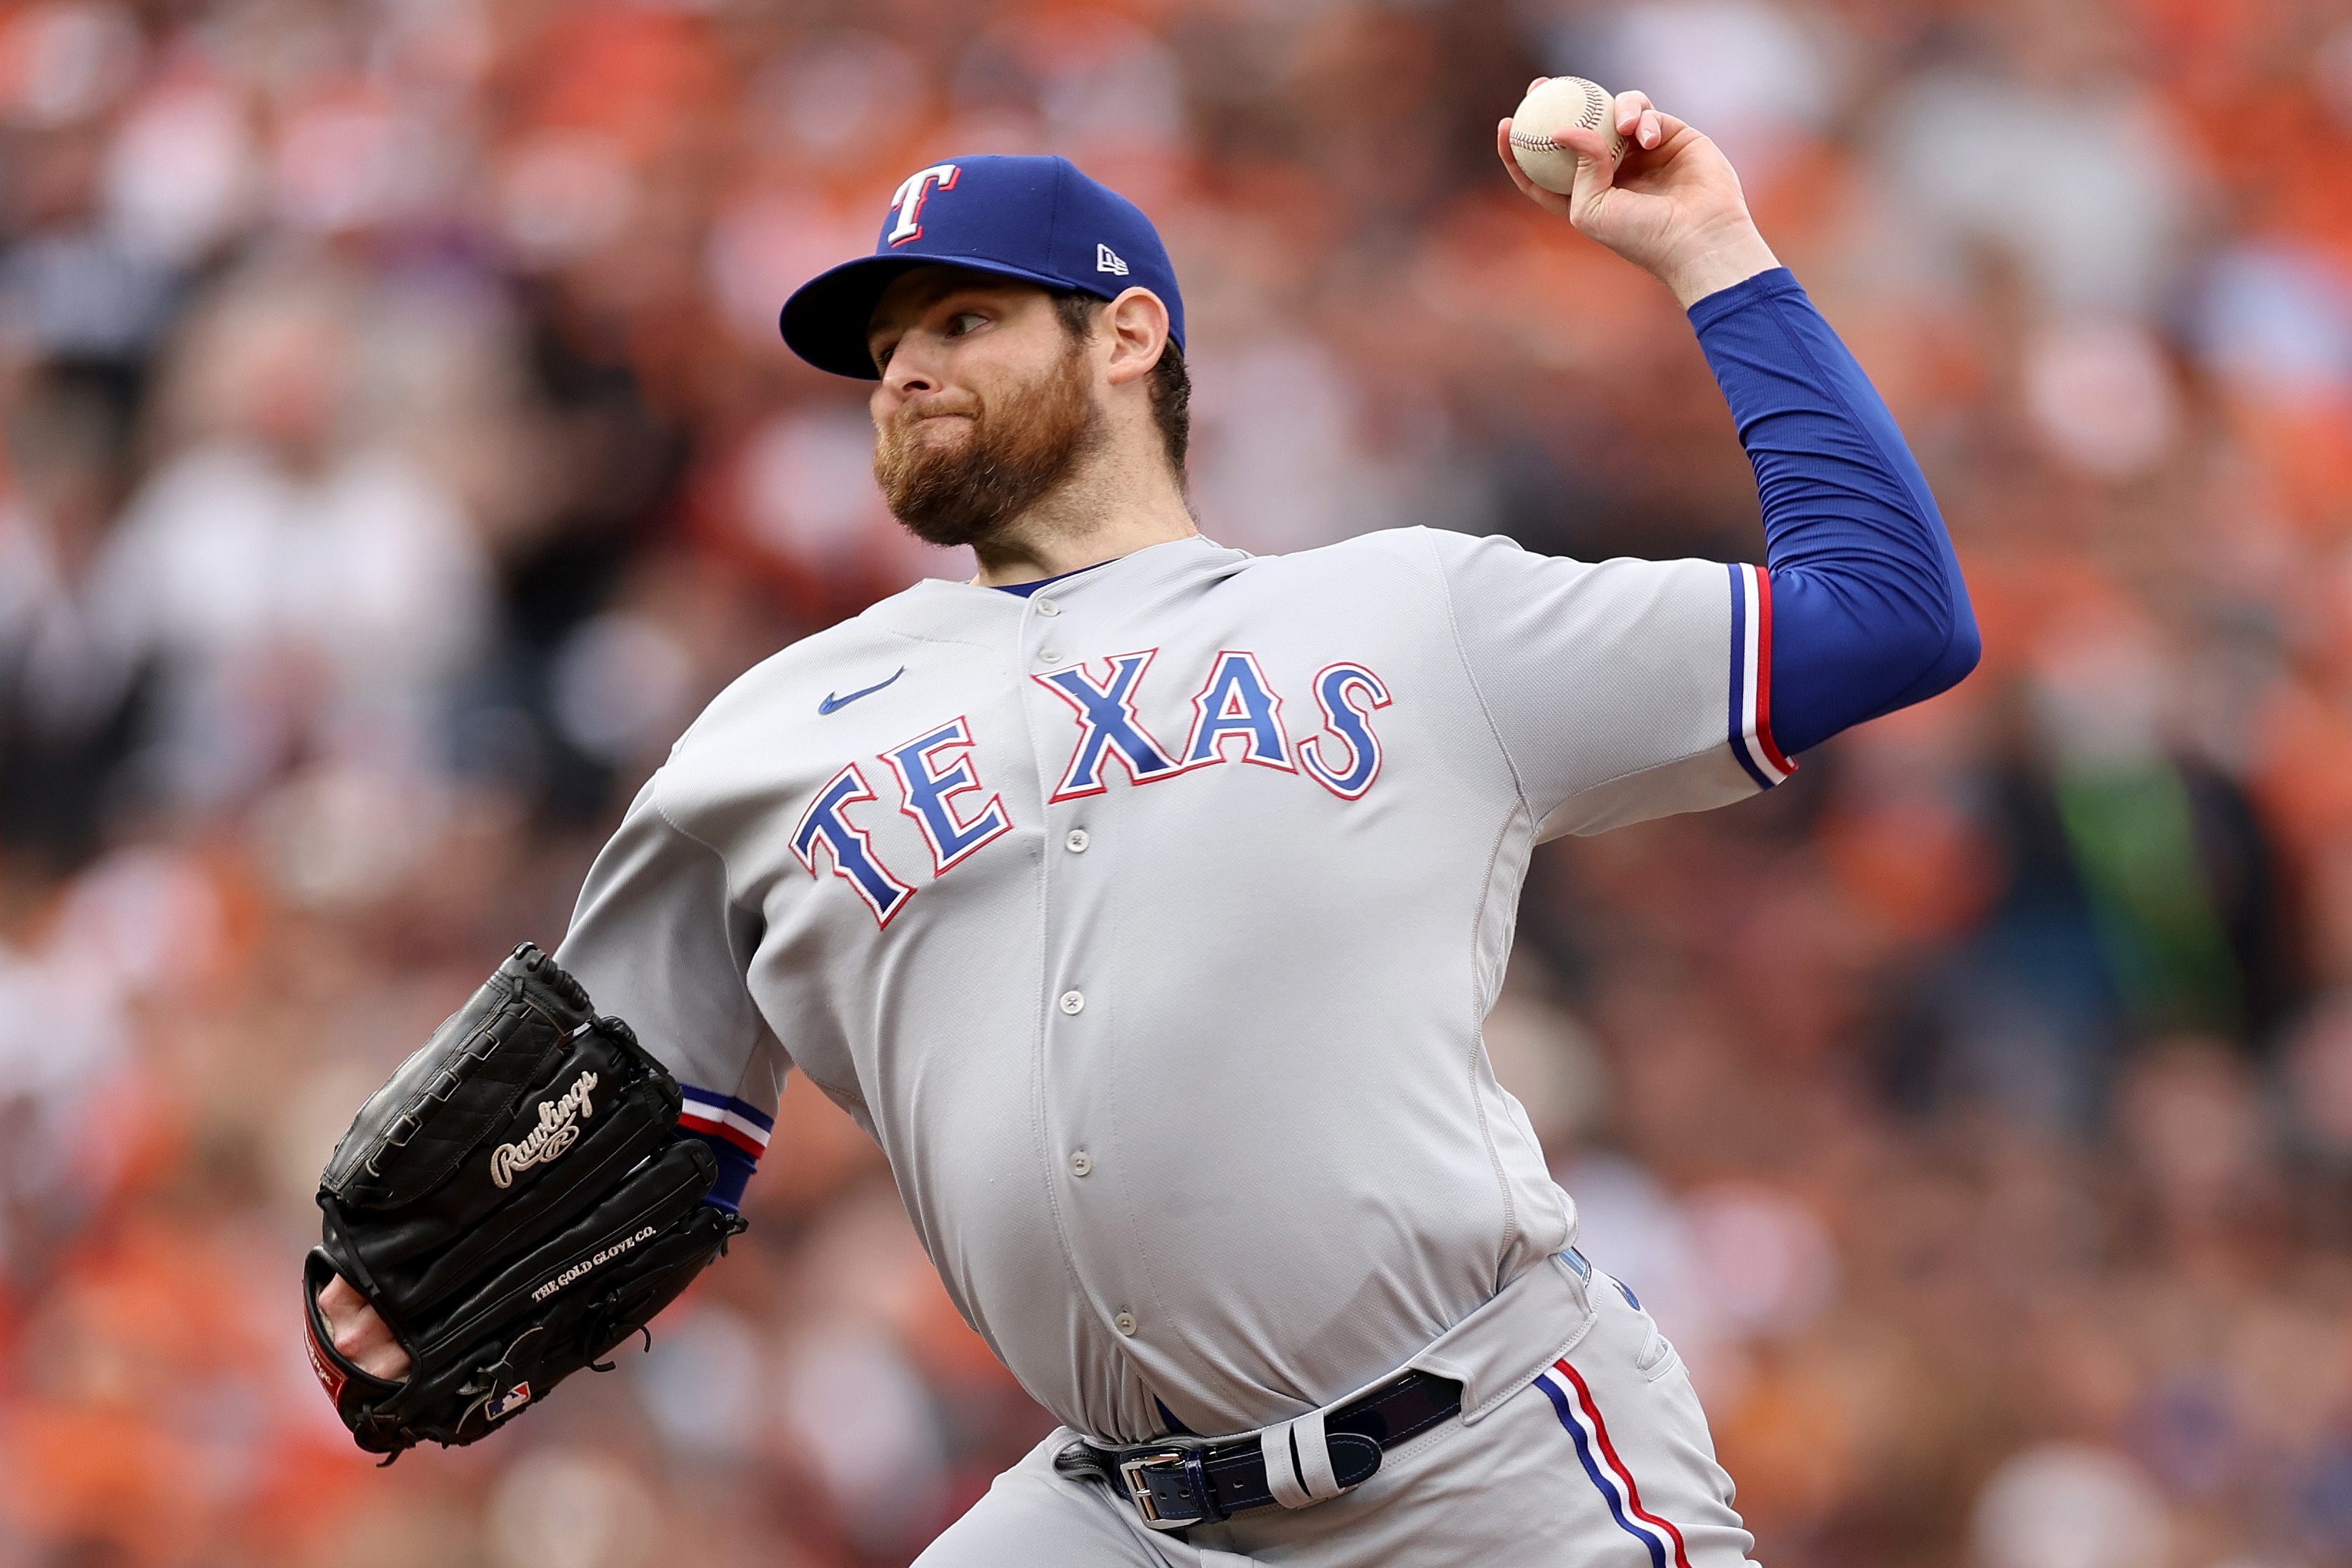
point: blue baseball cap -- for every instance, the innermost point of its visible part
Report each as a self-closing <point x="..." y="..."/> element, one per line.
<point x="1038" y="219"/>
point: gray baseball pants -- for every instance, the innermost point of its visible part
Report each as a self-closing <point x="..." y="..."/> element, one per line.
<point x="1603" y="1462"/>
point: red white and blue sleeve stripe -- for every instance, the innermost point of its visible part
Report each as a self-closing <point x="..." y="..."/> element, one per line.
<point x="1751" y="677"/>
<point x="1864" y="610"/>
<point x="736" y="1131"/>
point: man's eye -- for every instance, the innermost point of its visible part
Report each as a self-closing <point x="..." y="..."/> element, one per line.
<point x="963" y="321"/>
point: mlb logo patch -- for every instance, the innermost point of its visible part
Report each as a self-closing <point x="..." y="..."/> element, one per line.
<point x="506" y="1403"/>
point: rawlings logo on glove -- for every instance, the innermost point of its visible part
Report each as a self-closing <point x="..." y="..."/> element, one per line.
<point x="508" y="1231"/>
<point x="556" y="1132"/>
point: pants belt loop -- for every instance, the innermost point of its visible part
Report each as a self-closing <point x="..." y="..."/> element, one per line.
<point x="1314" y="1451"/>
<point x="1297" y="1455"/>
<point x="1281" y="1472"/>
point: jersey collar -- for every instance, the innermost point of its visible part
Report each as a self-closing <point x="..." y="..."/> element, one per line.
<point x="938" y="609"/>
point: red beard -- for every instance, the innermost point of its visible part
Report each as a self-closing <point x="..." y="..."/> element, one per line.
<point x="1015" y="455"/>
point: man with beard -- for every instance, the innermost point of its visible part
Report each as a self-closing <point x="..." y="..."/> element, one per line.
<point x="1177" y="1061"/>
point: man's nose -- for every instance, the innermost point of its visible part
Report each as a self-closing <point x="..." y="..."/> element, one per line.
<point x="910" y="374"/>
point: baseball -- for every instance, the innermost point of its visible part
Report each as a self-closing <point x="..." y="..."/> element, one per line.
<point x="1551" y="109"/>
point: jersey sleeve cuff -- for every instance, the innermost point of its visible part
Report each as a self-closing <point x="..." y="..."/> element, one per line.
<point x="737" y="1133"/>
<point x="1771" y="282"/>
<point x="1751" y="677"/>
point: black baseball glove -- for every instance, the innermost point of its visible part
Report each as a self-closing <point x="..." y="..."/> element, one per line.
<point x="514" y="1203"/>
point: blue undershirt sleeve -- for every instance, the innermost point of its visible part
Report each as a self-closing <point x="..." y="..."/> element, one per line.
<point x="736" y="1131"/>
<point x="1865" y="609"/>
<point x="735" y="1168"/>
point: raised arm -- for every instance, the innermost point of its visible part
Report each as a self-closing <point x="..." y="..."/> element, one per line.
<point x="1862" y="609"/>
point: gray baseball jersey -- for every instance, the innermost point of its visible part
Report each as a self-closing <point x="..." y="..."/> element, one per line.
<point x="1148" y="922"/>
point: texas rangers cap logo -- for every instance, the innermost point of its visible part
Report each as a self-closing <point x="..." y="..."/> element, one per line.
<point x="908" y="203"/>
<point x="1033" y="219"/>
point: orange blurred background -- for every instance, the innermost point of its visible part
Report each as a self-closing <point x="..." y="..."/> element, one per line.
<point x="399" y="450"/>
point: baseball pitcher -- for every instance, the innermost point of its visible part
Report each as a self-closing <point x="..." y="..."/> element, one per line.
<point x="1143" y="899"/>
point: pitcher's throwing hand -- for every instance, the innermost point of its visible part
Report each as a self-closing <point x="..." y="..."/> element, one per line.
<point x="1670" y="204"/>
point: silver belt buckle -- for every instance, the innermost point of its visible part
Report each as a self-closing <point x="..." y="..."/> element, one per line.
<point x="1139" y="1490"/>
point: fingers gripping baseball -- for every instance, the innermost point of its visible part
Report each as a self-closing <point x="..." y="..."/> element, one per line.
<point x="1603" y="159"/>
<point x="360" y="1334"/>
<point x="1597" y="136"/>
<point x="1644" y="184"/>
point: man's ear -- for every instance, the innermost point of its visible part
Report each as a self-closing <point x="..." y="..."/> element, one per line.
<point x="1136" y="325"/>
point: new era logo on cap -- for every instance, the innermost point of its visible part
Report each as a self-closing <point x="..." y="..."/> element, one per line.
<point x="1039" y="220"/>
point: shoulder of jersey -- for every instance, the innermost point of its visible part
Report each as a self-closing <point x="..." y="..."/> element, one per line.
<point x="792" y="685"/>
<point x="1412" y="543"/>
<point x="1416" y="551"/>
<point x="1419" y="540"/>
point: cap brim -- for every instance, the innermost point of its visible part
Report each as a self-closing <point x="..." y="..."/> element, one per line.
<point x="826" y="319"/>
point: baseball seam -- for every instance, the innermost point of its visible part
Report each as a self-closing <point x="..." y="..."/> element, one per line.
<point x="1595" y="111"/>
<point x="1596" y="105"/>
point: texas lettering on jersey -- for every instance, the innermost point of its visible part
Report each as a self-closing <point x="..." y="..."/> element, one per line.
<point x="1237" y="716"/>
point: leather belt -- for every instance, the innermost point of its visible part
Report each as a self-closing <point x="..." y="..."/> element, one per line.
<point x="1175" y="1487"/>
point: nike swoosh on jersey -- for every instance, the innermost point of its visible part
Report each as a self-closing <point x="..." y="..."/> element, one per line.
<point x="831" y="702"/>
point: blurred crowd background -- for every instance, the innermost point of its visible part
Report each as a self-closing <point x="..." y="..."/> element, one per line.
<point x="398" y="450"/>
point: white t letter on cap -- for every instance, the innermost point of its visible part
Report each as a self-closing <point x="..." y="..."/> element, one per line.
<point x="908" y="201"/>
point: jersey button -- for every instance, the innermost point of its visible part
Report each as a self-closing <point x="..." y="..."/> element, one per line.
<point x="1081" y="1162"/>
<point x="1074" y="1002"/>
<point x="1125" y="1323"/>
<point x="1049" y="656"/>
<point x="1046" y="606"/>
<point x="1077" y="841"/>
